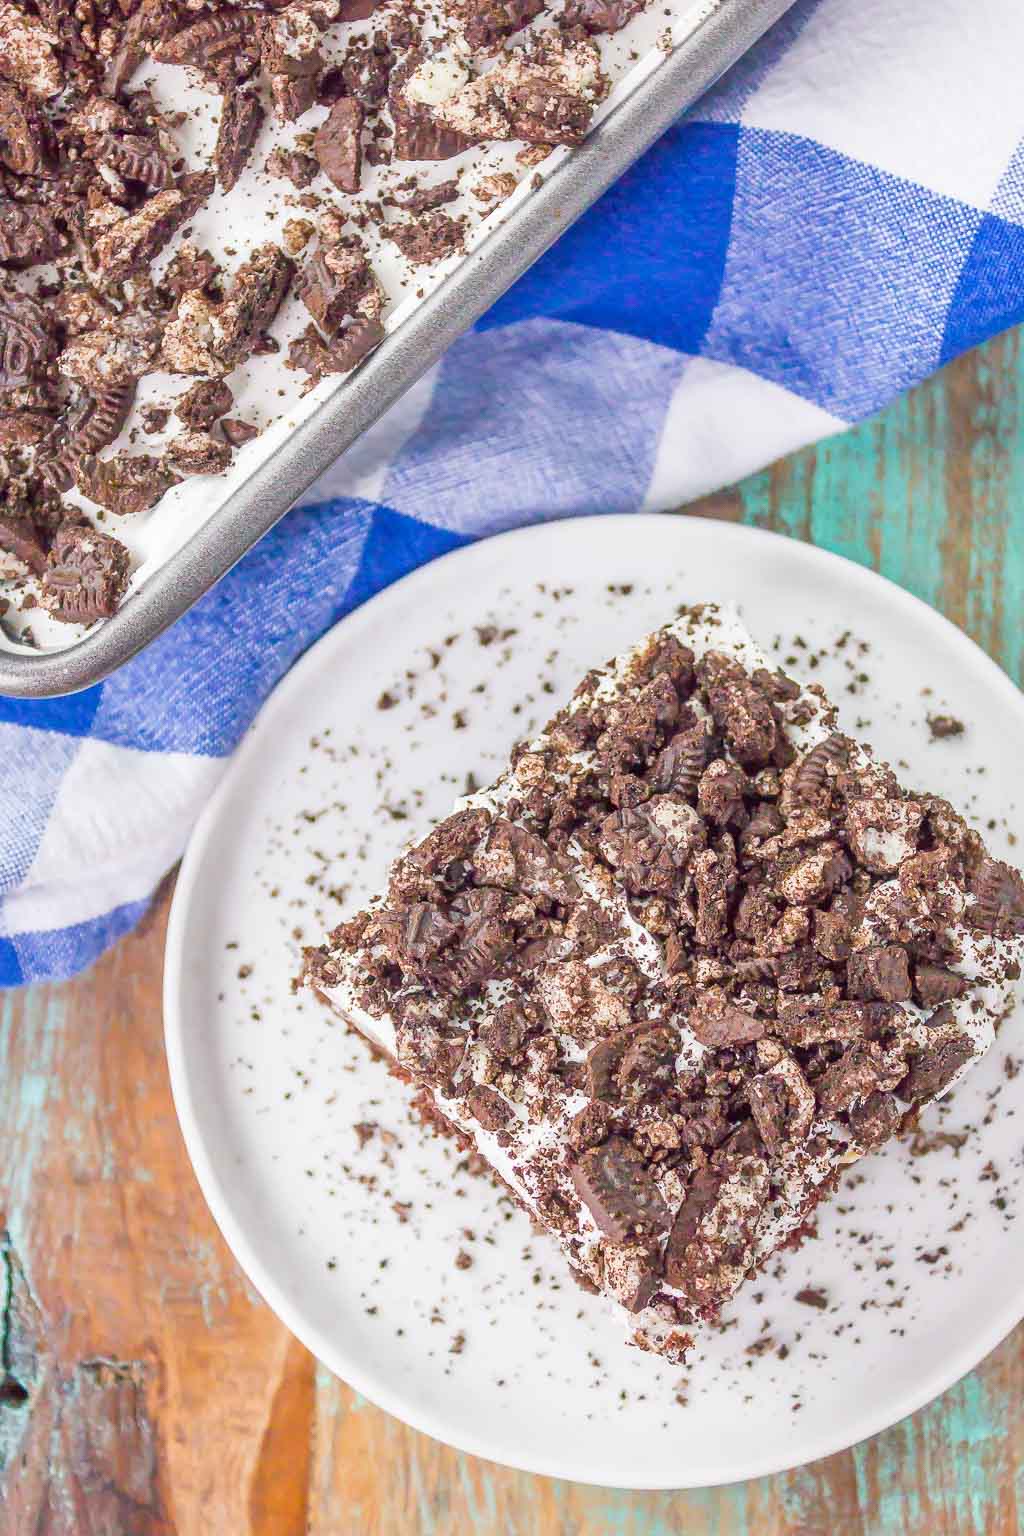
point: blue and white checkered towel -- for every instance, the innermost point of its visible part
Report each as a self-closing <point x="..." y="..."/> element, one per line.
<point x="843" y="214"/>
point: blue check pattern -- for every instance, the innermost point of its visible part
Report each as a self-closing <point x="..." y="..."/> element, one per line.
<point x="789" y="257"/>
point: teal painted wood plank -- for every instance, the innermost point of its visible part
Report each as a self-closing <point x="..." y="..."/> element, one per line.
<point x="931" y="494"/>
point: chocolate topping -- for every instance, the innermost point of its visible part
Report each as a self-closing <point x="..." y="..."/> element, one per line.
<point x="24" y="428"/>
<point x="781" y="1100"/>
<point x="29" y="234"/>
<point x="345" y="351"/>
<point x="603" y="1062"/>
<point x="200" y="406"/>
<point x="429" y="239"/>
<point x="364" y="73"/>
<point x="422" y="199"/>
<point x="741" y="711"/>
<point x="338" y="144"/>
<point x="810" y="1022"/>
<point x="711" y="1244"/>
<point x="118" y="352"/>
<point x="29" y="53"/>
<point x="590" y="1126"/>
<point x="22" y="546"/>
<point x="132" y="242"/>
<point x="651" y="845"/>
<point x="293" y="166"/>
<point x="601" y="15"/>
<point x="94" y="421"/>
<point x="26" y="339"/>
<point x="721" y="791"/>
<point x="647" y="1068"/>
<point x="133" y="156"/>
<point x="224" y="46"/>
<point x="26" y="145"/>
<point x="810" y="781"/>
<point x="874" y="1120"/>
<point x="932" y="1070"/>
<point x="680" y="764"/>
<point x="862" y="1069"/>
<point x="125" y="484"/>
<point x="542" y="112"/>
<point x="152" y="22"/>
<point x="211" y="336"/>
<point x="337" y="284"/>
<point x="933" y="985"/>
<point x="86" y="574"/>
<point x="506" y="1034"/>
<point x="256" y="296"/>
<point x="486" y="23"/>
<point x="240" y="121"/>
<point x="196" y="453"/>
<point x="717" y="1022"/>
<point x="631" y="1273"/>
<point x="882" y="973"/>
<point x="419" y="134"/>
<point x="488" y="1108"/>
<point x="999" y="899"/>
<point x="433" y="1054"/>
<point x="621" y="1196"/>
<point x="518" y="860"/>
<point x="238" y="432"/>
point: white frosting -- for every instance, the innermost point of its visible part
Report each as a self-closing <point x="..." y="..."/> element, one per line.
<point x="437" y="79"/>
<point x="888" y="848"/>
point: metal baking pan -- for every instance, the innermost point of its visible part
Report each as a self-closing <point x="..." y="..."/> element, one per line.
<point x="721" y="34"/>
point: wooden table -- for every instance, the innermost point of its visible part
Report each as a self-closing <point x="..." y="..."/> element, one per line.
<point x="148" y="1390"/>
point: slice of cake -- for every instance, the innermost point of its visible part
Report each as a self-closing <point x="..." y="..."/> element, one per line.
<point x="691" y="955"/>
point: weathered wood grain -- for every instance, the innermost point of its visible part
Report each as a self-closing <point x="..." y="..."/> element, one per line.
<point x="145" y="1390"/>
<point x="161" y="1392"/>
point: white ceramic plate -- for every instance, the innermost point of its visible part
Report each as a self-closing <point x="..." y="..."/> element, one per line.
<point x="355" y="1247"/>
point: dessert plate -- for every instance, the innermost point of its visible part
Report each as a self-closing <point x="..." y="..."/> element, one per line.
<point x="404" y="1272"/>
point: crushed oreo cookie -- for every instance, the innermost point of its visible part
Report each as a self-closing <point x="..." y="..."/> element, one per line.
<point x="294" y="166"/>
<point x="126" y="483"/>
<point x="620" y="1194"/>
<point x="338" y="144"/>
<point x="428" y="239"/>
<point x="86" y="574"/>
<point x="240" y="122"/>
<point x="238" y="432"/>
<point x="197" y="453"/>
<point x="101" y="287"/>
<point x="200" y="406"/>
